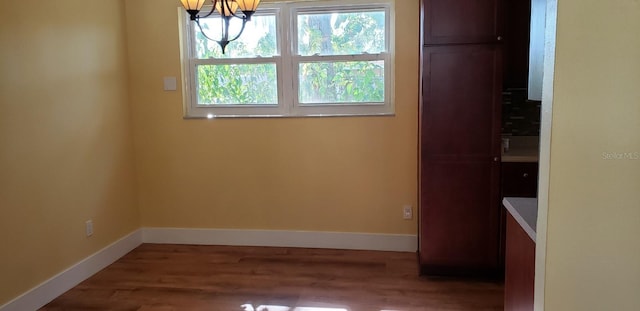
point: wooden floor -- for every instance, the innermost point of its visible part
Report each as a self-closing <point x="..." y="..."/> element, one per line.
<point x="183" y="277"/>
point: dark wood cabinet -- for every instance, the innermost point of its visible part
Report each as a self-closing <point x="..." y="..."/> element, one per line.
<point x="519" y="179"/>
<point x="520" y="268"/>
<point x="517" y="20"/>
<point x="459" y="227"/>
<point x="461" y="21"/>
<point x="461" y="102"/>
<point x="460" y="138"/>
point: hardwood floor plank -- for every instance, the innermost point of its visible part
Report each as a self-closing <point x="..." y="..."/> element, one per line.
<point x="226" y="278"/>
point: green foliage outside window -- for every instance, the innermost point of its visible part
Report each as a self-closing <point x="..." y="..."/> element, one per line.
<point x="319" y="82"/>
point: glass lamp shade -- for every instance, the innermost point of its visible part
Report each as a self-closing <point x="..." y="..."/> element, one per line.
<point x="248" y="5"/>
<point x="192" y="5"/>
<point x="230" y="7"/>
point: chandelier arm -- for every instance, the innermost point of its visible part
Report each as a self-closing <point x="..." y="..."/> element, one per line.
<point x="224" y="40"/>
<point x="225" y="29"/>
<point x="230" y="10"/>
<point x="203" y="33"/>
<point x="213" y="9"/>
<point x="225" y="19"/>
<point x="244" y="23"/>
<point x="225" y="34"/>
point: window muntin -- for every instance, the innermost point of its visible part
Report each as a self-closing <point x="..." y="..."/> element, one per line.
<point x="277" y="69"/>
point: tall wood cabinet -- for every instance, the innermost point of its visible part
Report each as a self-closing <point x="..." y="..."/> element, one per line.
<point x="460" y="137"/>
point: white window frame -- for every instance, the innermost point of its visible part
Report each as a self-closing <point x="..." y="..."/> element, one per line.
<point x="287" y="63"/>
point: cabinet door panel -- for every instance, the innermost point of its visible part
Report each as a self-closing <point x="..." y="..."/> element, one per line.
<point x="459" y="171"/>
<point x="519" y="179"/>
<point x="461" y="101"/>
<point x="461" y="21"/>
<point x="517" y="15"/>
<point x="459" y="220"/>
<point x="520" y="268"/>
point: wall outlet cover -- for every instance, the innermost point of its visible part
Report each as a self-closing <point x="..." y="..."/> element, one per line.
<point x="407" y="212"/>
<point x="89" y="227"/>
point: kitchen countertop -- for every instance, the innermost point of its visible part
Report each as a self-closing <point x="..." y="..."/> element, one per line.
<point x="525" y="212"/>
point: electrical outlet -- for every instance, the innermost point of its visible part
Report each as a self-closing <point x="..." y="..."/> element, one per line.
<point x="407" y="212"/>
<point x="88" y="226"/>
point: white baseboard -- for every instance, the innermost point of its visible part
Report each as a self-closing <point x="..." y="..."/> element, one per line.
<point x="307" y="239"/>
<point x="48" y="290"/>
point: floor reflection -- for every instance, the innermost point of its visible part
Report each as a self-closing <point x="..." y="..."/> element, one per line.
<point x="249" y="307"/>
<point x="157" y="277"/>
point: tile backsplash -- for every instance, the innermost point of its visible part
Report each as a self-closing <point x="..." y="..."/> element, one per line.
<point x="520" y="116"/>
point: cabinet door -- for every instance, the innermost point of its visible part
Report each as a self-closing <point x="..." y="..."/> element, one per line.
<point x="516" y="43"/>
<point x="461" y="21"/>
<point x="519" y="179"/>
<point x="460" y="149"/>
<point x="461" y="101"/>
<point x="459" y="227"/>
<point x="520" y="268"/>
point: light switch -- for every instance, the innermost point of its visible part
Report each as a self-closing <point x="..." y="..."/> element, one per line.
<point x="170" y="84"/>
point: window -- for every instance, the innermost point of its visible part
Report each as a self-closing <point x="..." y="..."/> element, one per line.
<point x="316" y="58"/>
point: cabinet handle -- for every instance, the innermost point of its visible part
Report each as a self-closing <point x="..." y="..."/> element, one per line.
<point x="499" y="38"/>
<point x="525" y="175"/>
<point x="496" y="159"/>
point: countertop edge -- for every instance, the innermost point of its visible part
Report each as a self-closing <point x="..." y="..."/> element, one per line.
<point x="518" y="217"/>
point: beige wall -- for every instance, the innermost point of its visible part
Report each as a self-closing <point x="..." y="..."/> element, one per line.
<point x="65" y="148"/>
<point x="348" y="174"/>
<point x="593" y="251"/>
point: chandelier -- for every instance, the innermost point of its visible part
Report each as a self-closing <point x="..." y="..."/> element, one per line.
<point x="228" y="9"/>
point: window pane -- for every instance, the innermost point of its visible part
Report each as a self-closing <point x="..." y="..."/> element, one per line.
<point x="341" y="82"/>
<point x="252" y="84"/>
<point x="257" y="39"/>
<point x="341" y="33"/>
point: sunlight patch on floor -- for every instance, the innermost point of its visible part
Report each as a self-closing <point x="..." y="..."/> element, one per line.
<point x="249" y="307"/>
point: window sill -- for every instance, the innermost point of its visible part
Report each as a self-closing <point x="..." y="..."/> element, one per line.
<point x="392" y="114"/>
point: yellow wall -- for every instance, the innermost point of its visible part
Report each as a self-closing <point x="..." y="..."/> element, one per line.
<point x="593" y="251"/>
<point x="65" y="149"/>
<point x="322" y="174"/>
